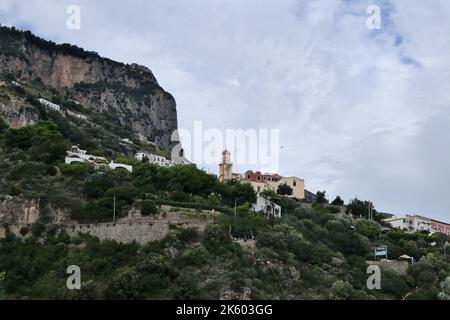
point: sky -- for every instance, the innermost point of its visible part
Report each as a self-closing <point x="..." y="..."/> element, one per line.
<point x="360" y="112"/>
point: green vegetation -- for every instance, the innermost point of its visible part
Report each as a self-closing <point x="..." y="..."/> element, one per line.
<point x="284" y="190"/>
<point x="338" y="201"/>
<point x="308" y="254"/>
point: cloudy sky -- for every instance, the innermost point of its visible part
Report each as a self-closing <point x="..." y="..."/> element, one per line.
<point x="361" y="112"/>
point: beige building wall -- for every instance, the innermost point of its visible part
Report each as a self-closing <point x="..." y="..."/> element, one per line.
<point x="260" y="186"/>
<point x="297" y="185"/>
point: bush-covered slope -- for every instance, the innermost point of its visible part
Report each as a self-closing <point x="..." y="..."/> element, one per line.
<point x="308" y="254"/>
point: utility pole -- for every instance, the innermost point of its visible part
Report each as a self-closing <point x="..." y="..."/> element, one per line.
<point x="370" y="211"/>
<point x="235" y="213"/>
<point x="114" y="209"/>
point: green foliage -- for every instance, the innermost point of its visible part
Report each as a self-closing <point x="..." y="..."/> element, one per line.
<point x="284" y="190"/>
<point x="149" y="207"/>
<point x="43" y="141"/>
<point x="232" y="190"/>
<point x="321" y="197"/>
<point x="127" y="284"/>
<point x="359" y="208"/>
<point x="76" y="169"/>
<point x="445" y="287"/>
<point x="188" y="235"/>
<point x="3" y="125"/>
<point x="368" y="228"/>
<point x="338" y="201"/>
<point x="341" y="290"/>
<point x="13" y="189"/>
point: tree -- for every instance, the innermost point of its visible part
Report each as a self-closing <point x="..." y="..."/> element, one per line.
<point x="43" y="140"/>
<point x="445" y="286"/>
<point x="149" y="207"/>
<point x="338" y="201"/>
<point x="3" y="125"/>
<point x="19" y="138"/>
<point x="359" y="208"/>
<point x="284" y="190"/>
<point x="127" y="284"/>
<point x="341" y="290"/>
<point x="368" y="229"/>
<point x="321" y="197"/>
<point x="48" y="145"/>
<point x="232" y="190"/>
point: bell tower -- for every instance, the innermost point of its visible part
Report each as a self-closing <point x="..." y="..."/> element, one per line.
<point x="225" y="167"/>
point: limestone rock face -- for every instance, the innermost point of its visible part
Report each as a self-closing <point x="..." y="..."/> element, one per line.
<point x="18" y="211"/>
<point x="17" y="113"/>
<point x="128" y="92"/>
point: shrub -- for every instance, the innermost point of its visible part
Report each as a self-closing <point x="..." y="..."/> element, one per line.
<point x="149" y="207"/>
<point x="368" y="229"/>
<point x="188" y="235"/>
<point x="338" y="201"/>
<point x="37" y="229"/>
<point x="3" y="125"/>
<point x="76" y="169"/>
<point x="284" y="190"/>
<point x="13" y="190"/>
<point x="127" y="284"/>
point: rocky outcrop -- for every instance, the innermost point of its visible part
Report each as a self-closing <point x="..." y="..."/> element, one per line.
<point x="17" y="213"/>
<point x="229" y="294"/>
<point x="17" y="210"/>
<point x="129" y="92"/>
<point x="18" y="113"/>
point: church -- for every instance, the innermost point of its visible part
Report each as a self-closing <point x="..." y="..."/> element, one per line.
<point x="260" y="181"/>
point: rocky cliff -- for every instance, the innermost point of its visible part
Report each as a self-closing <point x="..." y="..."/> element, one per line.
<point x="128" y="92"/>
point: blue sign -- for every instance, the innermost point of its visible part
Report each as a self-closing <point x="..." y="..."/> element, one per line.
<point x="381" y="251"/>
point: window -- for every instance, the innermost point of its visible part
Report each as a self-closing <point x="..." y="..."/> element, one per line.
<point x="248" y="177"/>
<point x="259" y="178"/>
<point x="295" y="183"/>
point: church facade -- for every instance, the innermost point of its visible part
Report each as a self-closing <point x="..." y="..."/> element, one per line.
<point x="260" y="181"/>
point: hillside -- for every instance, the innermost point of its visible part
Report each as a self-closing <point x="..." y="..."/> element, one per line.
<point x="127" y="98"/>
<point x="201" y="250"/>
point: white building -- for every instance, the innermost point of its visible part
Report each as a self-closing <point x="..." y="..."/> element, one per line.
<point x="76" y="102"/>
<point x="75" y="154"/>
<point x="114" y="166"/>
<point x="49" y="104"/>
<point x="411" y="223"/>
<point x="76" y="115"/>
<point x="154" y="159"/>
<point x="265" y="205"/>
<point x="127" y="141"/>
